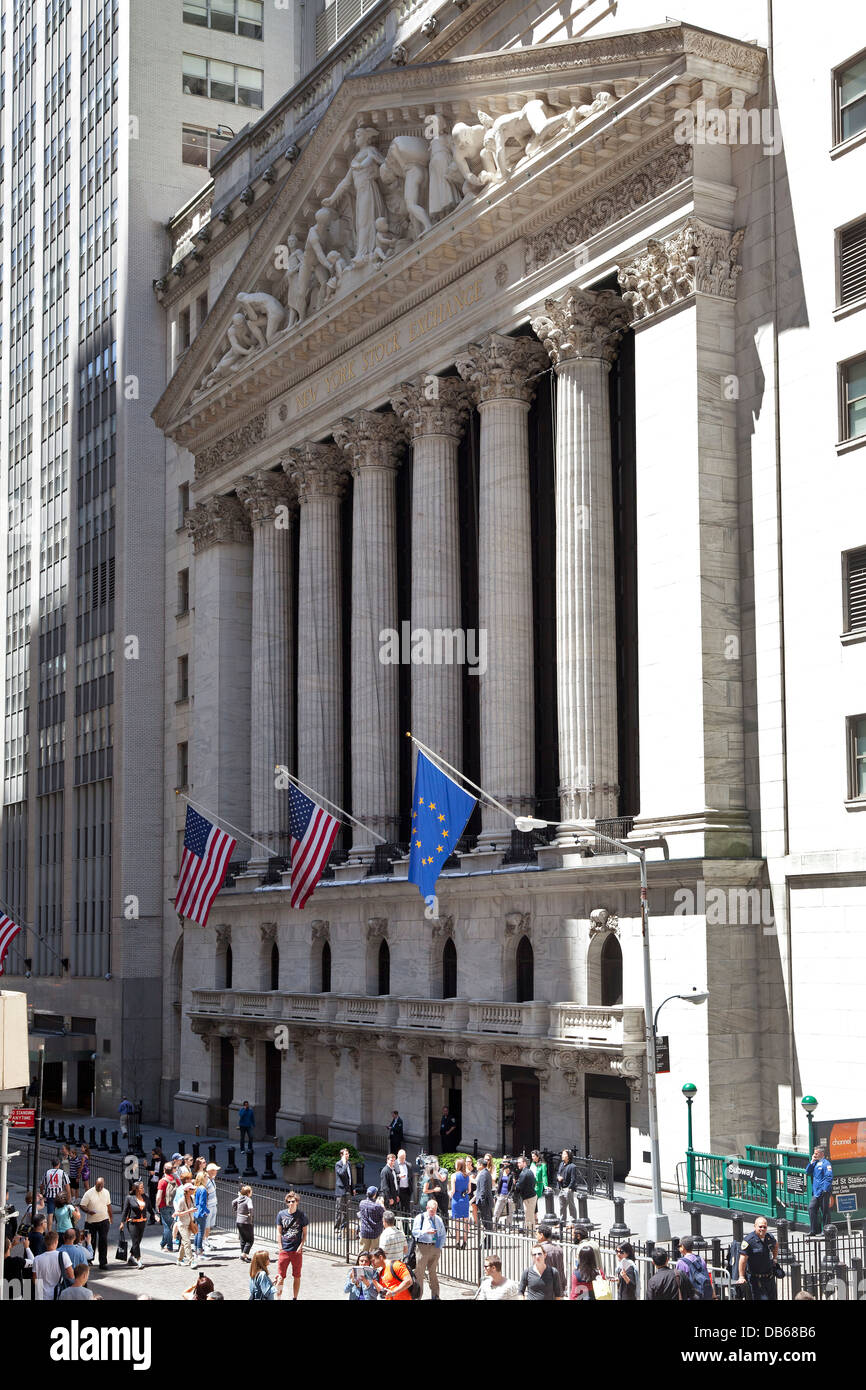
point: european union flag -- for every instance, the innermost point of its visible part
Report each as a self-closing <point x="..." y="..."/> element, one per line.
<point x="440" y="810"/>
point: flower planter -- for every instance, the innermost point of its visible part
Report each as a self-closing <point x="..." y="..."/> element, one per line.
<point x="325" y="1178"/>
<point x="298" y="1172"/>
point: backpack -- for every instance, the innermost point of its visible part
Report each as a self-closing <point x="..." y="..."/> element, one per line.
<point x="415" y="1289"/>
<point x="697" y="1281"/>
<point x="170" y="1192"/>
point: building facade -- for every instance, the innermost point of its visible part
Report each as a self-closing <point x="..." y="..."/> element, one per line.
<point x="102" y="128"/>
<point x="525" y="334"/>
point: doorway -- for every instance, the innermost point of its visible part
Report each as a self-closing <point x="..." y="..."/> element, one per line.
<point x="86" y="1076"/>
<point x="607" y="1122"/>
<point x="273" y="1081"/>
<point x="521" y="1109"/>
<point x="52" y="1084"/>
<point x="227" y="1083"/>
<point x="444" y="1084"/>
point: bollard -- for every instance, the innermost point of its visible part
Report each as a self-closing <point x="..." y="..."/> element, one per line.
<point x="716" y="1255"/>
<point x="114" y="1147"/>
<point x="697" y="1236"/>
<point x="103" y="1139"/>
<point x="619" y="1230"/>
<point x="782" y="1232"/>
<point x="269" y="1175"/>
<point x="231" y="1166"/>
<point x="211" y="1153"/>
<point x="249" y="1171"/>
<point x="92" y="1139"/>
<point x="475" y="1148"/>
<point x="81" y="1134"/>
<point x="181" y="1147"/>
<point x="737" y="1225"/>
<point x="196" y="1149"/>
<point x="582" y="1207"/>
<point x="61" y="1130"/>
<point x="796" y="1280"/>
<point x="51" y="1134"/>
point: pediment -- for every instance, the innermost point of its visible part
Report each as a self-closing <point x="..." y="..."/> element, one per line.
<point x="415" y="174"/>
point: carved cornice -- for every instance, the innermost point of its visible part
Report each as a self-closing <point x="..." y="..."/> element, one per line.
<point x="262" y="493"/>
<point x="501" y="368"/>
<point x="696" y="258"/>
<point x="231" y="446"/>
<point x="371" y="439"/>
<point x="432" y="405"/>
<point x="217" y="521"/>
<point x="317" y="470"/>
<point x="517" y="923"/>
<point x="583" y="323"/>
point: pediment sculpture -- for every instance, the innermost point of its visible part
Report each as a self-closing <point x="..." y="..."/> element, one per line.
<point x="382" y="204"/>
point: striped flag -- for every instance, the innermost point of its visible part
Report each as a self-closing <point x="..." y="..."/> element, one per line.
<point x="8" y="932"/>
<point x="313" y="832"/>
<point x="206" y="853"/>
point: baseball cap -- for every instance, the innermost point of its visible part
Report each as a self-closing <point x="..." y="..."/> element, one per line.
<point x="175" y="1157"/>
<point x="212" y="1168"/>
<point x="371" y="1191"/>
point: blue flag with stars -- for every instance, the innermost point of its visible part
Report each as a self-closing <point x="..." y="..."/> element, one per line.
<point x="440" y="810"/>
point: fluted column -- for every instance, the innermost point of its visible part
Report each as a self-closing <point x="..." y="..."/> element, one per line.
<point x="270" y="503"/>
<point x="581" y="331"/>
<point x="373" y="443"/>
<point x="501" y="373"/>
<point x="320" y="475"/>
<point x="435" y="410"/>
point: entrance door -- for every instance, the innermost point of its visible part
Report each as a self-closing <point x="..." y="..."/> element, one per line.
<point x="520" y="1111"/>
<point x="443" y="1088"/>
<point x="273" y="1081"/>
<point x="227" y="1082"/>
<point x="86" y="1083"/>
<point x="52" y="1083"/>
<point x="608" y="1122"/>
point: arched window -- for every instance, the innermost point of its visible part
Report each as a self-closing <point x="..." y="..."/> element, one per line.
<point x="384" y="969"/>
<point x="227" y="960"/>
<point x="275" y="966"/>
<point x="449" y="970"/>
<point x="525" y="971"/>
<point x="611" y="972"/>
<point x="325" y="987"/>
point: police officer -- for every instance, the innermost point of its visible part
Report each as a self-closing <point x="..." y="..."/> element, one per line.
<point x="821" y="1173"/>
<point x="758" y="1254"/>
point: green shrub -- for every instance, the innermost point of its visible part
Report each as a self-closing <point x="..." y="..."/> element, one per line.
<point x="326" y="1156"/>
<point x="301" y="1146"/>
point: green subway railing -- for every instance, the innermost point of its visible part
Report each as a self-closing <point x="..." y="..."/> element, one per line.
<point x="766" y="1182"/>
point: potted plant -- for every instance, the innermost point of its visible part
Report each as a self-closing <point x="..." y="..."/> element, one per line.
<point x="295" y="1158"/>
<point x="323" y="1160"/>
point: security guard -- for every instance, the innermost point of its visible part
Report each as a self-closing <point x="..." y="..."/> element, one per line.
<point x="758" y="1254"/>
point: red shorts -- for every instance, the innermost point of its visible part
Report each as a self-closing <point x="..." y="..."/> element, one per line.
<point x="290" y="1259"/>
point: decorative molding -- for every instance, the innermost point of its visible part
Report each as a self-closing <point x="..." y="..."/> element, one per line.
<point x="583" y="323"/>
<point x="501" y="368"/>
<point x="268" y="932"/>
<point x="602" y="920"/>
<point x="416" y="1063"/>
<point x="250" y="1046"/>
<point x="320" y="930"/>
<point x="317" y="470"/>
<point x="217" y="521"/>
<point x="517" y="923"/>
<point x="371" y="439"/>
<point x="262" y="493"/>
<point x="377" y="929"/>
<point x="223" y="937"/>
<point x="432" y="405"/>
<point x="231" y="446"/>
<point x="697" y="258"/>
<point x="444" y="926"/>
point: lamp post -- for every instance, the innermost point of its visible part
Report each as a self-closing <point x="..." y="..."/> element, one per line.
<point x="810" y="1105"/>
<point x="690" y="1090"/>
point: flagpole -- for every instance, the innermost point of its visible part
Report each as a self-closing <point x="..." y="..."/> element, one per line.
<point x="474" y="785"/>
<point x="244" y="834"/>
<point x="32" y="930"/>
<point x="340" y="812"/>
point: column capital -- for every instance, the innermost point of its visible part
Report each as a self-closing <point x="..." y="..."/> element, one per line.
<point x="432" y="405"/>
<point x="501" y="368"/>
<point x="263" y="492"/>
<point x="583" y="323"/>
<point x="696" y="258"/>
<point x="317" y="470"/>
<point x="371" y="439"/>
<point x="217" y="521"/>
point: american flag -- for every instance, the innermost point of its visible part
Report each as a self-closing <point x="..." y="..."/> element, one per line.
<point x="8" y="932"/>
<point x="206" y="853"/>
<point x="313" y="832"/>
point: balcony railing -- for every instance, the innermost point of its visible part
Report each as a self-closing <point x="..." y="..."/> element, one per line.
<point x="449" y="1014"/>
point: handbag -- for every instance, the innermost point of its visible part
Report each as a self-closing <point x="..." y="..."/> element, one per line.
<point x="122" y="1251"/>
<point x="601" y="1289"/>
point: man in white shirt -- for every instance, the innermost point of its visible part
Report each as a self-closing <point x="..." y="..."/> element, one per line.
<point x="429" y="1232"/>
<point x="392" y="1240"/>
<point x="96" y="1205"/>
<point x="212" y="1201"/>
<point x="46" y="1267"/>
<point x="404" y="1182"/>
<point x="494" y="1286"/>
<point x="78" y="1288"/>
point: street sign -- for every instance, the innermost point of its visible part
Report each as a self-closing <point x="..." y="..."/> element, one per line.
<point x="795" y="1182"/>
<point x="23" y="1119"/>
<point x="663" y="1055"/>
<point x="844" y="1143"/>
<point x="846" y="1201"/>
<point x="738" y="1171"/>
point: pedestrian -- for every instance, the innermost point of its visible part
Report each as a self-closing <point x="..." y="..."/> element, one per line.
<point x="157" y="1161"/>
<point x="65" y="1217"/>
<point x="77" y="1289"/>
<point x="84" y="1167"/>
<point x="199" y="1166"/>
<point x="428" y="1232"/>
<point x="246" y="1125"/>
<point x="370" y="1218"/>
<point x="34" y="1207"/>
<point x="436" y="1187"/>
<point x="244" y="1217"/>
<point x="166" y="1189"/>
<point x="447" y="1132"/>
<point x="664" y="1286"/>
<point x="292" y="1231"/>
<point x="566" y="1182"/>
<point x="184" y="1214"/>
<point x="71" y="1256"/>
<point x="392" y="1240"/>
<point x="472" y="1181"/>
<point x="583" y="1276"/>
<point x="821" y="1172"/>
<point x="212" y="1203"/>
<point x="504" y="1187"/>
<point x="494" y="1287"/>
<point x="393" y="1278"/>
<point x="388" y="1190"/>
<point x="125" y="1109"/>
<point x="134" y="1219"/>
<point x="83" y="1238"/>
<point x="199" y="1291"/>
<point x="261" y="1284"/>
<point x="582" y="1238"/>
<point x="54" y="1188"/>
<point x="98" y="1216"/>
<point x="199" y="1202"/>
<point x="540" y="1282"/>
<point x="626" y="1273"/>
<point x="47" y="1269"/>
<point x="395" y="1132"/>
<point x="696" y="1282"/>
<point x="342" y="1190"/>
<point x="542" y="1187"/>
<point x="74" y="1173"/>
<point x="524" y="1193"/>
<point x="404" y="1182"/>
<point x="758" y="1263"/>
<point x="459" y="1193"/>
<point x="18" y="1267"/>
<point x="361" y="1283"/>
<point x="552" y="1251"/>
<point x="36" y="1236"/>
<point x="484" y="1199"/>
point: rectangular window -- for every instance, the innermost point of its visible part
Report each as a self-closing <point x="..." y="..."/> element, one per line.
<point x="850" y="89"/>
<point x="853" y="390"/>
<point x="854" y="591"/>
<point x="182" y="764"/>
<point x="183" y="678"/>
<point x="852" y="263"/>
<point x="182" y="503"/>
<point x="201" y="145"/>
<point x="200" y="311"/>
<point x="184" y="330"/>
<point x="82" y="1025"/>
<point x="244" y="17"/>
<point x="194" y="75"/>
<point x="221" y="81"/>
<point x="182" y="592"/>
<point x="857" y="757"/>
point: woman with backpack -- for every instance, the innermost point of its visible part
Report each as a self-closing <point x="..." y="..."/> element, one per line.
<point x="261" y="1284"/>
<point x="584" y="1275"/>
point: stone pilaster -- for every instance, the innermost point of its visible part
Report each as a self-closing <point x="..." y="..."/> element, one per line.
<point x="501" y="372"/>
<point x="581" y="331"/>
<point x="373" y="444"/>
<point x="435" y="410"/>
<point x="270" y="504"/>
<point x="319" y="473"/>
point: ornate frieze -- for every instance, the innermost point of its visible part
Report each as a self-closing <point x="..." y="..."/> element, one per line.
<point x="317" y="470"/>
<point x="501" y="368"/>
<point x="432" y="405"/>
<point x="245" y="437"/>
<point x="697" y="258"/>
<point x="371" y="439"/>
<point x="217" y="521"/>
<point x="583" y="323"/>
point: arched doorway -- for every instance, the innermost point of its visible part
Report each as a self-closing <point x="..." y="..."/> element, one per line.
<point x="525" y="971"/>
<point x="611" y="972"/>
<point x="449" y="970"/>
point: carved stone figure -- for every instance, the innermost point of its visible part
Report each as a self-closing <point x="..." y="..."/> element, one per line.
<point x="444" y="177"/>
<point x="294" y="308"/>
<point x="315" y="270"/>
<point x="264" y="314"/>
<point x="408" y="156"/>
<point x="241" y="344"/>
<point x="361" y="183"/>
<point x="384" y="240"/>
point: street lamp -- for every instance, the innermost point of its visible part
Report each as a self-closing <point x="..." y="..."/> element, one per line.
<point x="810" y="1105"/>
<point x="690" y="1090"/>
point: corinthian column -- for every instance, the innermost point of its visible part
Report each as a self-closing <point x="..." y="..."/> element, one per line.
<point x="435" y="410"/>
<point x="372" y="443"/>
<point x="581" y="332"/>
<point x="500" y="372"/>
<point x="319" y="473"/>
<point x="270" y="501"/>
